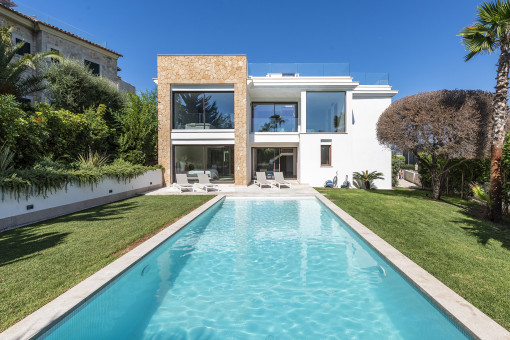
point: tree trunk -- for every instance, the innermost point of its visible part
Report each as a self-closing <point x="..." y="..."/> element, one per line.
<point x="498" y="131"/>
<point x="438" y="184"/>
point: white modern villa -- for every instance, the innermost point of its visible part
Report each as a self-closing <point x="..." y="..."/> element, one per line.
<point x="227" y="118"/>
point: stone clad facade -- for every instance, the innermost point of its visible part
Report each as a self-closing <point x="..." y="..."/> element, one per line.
<point x="206" y="70"/>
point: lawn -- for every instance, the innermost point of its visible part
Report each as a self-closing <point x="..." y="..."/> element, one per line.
<point x="41" y="261"/>
<point x="448" y="238"/>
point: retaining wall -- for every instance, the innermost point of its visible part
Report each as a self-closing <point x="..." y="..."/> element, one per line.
<point x="14" y="213"/>
<point x="412" y="177"/>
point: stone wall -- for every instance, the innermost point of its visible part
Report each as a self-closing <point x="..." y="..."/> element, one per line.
<point x="204" y="69"/>
<point x="43" y="38"/>
<point x="72" y="50"/>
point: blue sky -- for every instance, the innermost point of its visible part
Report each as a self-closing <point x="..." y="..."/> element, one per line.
<point x="415" y="41"/>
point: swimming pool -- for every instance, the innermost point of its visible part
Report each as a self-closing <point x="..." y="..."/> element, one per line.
<point x="259" y="269"/>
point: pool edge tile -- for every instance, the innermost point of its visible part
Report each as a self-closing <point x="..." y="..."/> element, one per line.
<point x="38" y="322"/>
<point x="474" y="321"/>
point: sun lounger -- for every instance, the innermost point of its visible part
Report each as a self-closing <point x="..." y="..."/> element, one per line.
<point x="262" y="180"/>
<point x="279" y="180"/>
<point x="182" y="182"/>
<point x="205" y="184"/>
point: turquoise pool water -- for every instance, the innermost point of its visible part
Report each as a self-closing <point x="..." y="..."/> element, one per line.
<point x="260" y="269"/>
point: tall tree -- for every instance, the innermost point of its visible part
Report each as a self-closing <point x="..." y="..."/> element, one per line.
<point x="490" y="33"/>
<point x="18" y="76"/>
<point x="439" y="128"/>
<point x="139" y="128"/>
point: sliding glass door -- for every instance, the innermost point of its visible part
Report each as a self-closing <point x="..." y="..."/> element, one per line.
<point x="217" y="161"/>
<point x="271" y="160"/>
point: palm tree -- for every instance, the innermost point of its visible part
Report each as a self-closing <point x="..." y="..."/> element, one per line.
<point x="489" y="33"/>
<point x="365" y="179"/>
<point x="16" y="76"/>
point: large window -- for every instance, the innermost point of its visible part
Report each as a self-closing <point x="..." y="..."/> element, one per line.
<point x="217" y="161"/>
<point x="203" y="110"/>
<point x="271" y="160"/>
<point x="274" y="117"/>
<point x="325" y="112"/>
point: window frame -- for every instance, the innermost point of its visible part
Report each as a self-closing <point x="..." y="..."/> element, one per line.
<point x="204" y="160"/>
<point x="201" y="91"/>
<point x="296" y="115"/>
<point x="345" y="111"/>
<point x="329" y="155"/>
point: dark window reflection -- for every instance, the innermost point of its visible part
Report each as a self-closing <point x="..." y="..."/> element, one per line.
<point x="325" y="112"/>
<point x="274" y="118"/>
<point x="203" y="110"/>
<point x="217" y="161"/>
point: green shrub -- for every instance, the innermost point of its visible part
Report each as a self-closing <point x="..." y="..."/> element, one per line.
<point x="139" y="128"/>
<point x="21" y="132"/>
<point x="408" y="167"/>
<point x="396" y="164"/>
<point x="73" y="87"/>
<point x="48" y="177"/>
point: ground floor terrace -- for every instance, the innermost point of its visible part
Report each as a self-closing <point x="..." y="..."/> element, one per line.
<point x="313" y="162"/>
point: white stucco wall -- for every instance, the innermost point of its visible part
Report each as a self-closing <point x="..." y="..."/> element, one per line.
<point x="11" y="207"/>
<point x="355" y="150"/>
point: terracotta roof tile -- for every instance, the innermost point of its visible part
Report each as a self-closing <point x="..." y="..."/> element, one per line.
<point x="60" y="30"/>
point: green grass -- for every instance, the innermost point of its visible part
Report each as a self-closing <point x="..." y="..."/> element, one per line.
<point x="467" y="253"/>
<point x="41" y="261"/>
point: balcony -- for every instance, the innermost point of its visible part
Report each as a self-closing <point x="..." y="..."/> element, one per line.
<point x="292" y="70"/>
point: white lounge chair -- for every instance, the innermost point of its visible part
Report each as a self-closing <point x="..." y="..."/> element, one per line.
<point x="205" y="184"/>
<point x="279" y="180"/>
<point x="182" y="183"/>
<point x="262" y="180"/>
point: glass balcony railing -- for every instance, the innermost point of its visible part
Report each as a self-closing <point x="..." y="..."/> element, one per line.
<point x="371" y="78"/>
<point x="272" y="125"/>
<point x="301" y="69"/>
<point x="316" y="70"/>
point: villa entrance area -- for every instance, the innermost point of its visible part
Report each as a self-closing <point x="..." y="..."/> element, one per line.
<point x="271" y="160"/>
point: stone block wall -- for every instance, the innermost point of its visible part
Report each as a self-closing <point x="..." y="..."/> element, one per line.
<point x="203" y="69"/>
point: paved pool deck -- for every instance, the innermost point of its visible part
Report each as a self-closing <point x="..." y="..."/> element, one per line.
<point x="296" y="190"/>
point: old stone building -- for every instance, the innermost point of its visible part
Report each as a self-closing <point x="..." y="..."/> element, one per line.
<point x="40" y="36"/>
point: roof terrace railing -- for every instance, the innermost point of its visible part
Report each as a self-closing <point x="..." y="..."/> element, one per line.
<point x="371" y="78"/>
<point x="303" y="69"/>
<point x="316" y="70"/>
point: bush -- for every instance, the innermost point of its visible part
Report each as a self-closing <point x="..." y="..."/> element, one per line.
<point x="139" y="128"/>
<point x="20" y="132"/>
<point x="73" y="87"/>
<point x="397" y="162"/>
<point x="47" y="177"/>
<point x="408" y="167"/>
<point x="461" y="176"/>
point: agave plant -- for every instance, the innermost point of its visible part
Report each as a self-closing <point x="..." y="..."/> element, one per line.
<point x="6" y="157"/>
<point x="92" y="160"/>
<point x="365" y="179"/>
<point x="16" y="75"/>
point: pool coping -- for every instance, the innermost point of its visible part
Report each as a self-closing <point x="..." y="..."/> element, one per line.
<point x="48" y="315"/>
<point x="471" y="319"/>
